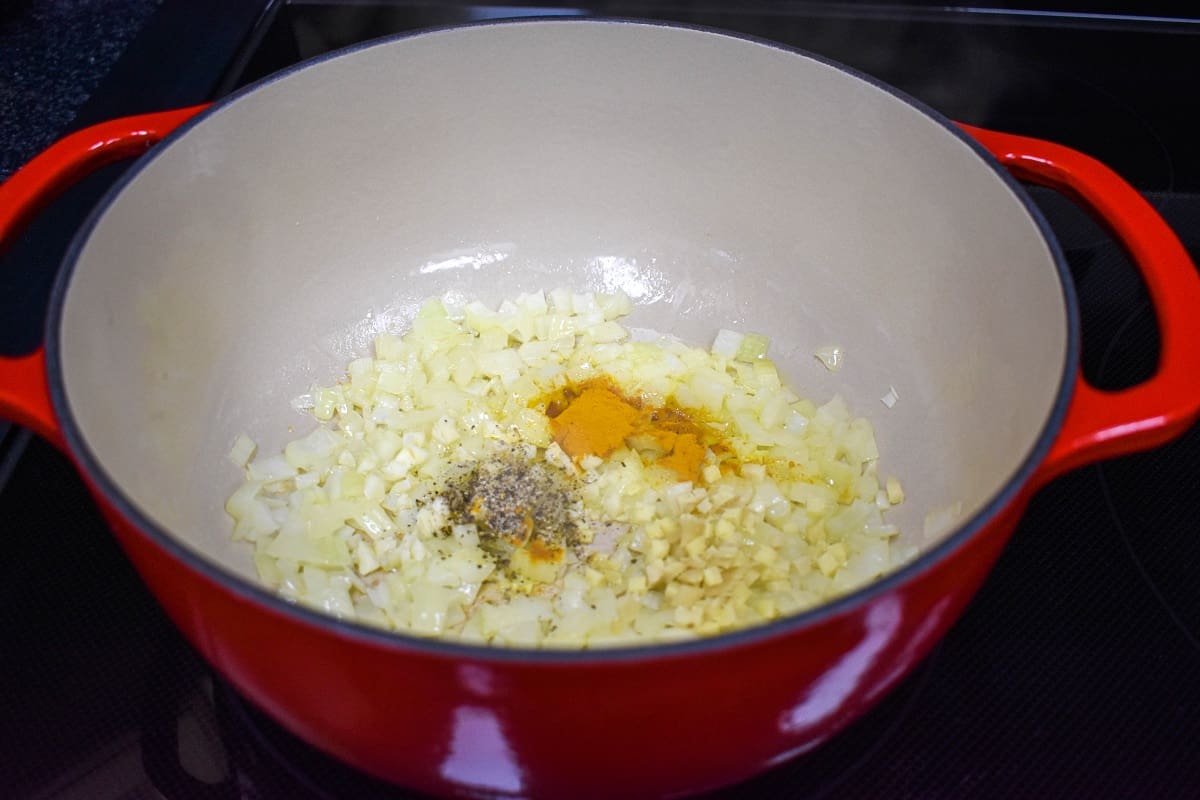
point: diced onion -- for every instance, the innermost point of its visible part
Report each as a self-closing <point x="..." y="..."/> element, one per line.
<point x="242" y="450"/>
<point x="348" y="517"/>
<point x="727" y="343"/>
<point x="753" y="347"/>
<point x="830" y="356"/>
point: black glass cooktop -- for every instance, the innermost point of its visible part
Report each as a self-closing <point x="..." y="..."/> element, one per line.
<point x="1075" y="672"/>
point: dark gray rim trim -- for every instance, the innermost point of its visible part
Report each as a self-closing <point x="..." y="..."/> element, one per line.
<point x="449" y="649"/>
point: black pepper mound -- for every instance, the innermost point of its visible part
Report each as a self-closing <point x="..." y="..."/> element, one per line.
<point x="515" y="501"/>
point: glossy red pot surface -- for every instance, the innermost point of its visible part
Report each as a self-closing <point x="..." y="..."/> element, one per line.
<point x="721" y="182"/>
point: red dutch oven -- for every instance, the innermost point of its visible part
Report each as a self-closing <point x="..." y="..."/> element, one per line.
<point x="721" y="182"/>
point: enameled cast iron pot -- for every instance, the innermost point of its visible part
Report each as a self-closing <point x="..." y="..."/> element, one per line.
<point x="722" y="182"/>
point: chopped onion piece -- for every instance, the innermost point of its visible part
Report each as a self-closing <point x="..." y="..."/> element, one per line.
<point x="242" y="450"/>
<point x="304" y="402"/>
<point x="753" y="347"/>
<point x="727" y="343"/>
<point x="269" y="468"/>
<point x="831" y="357"/>
<point x="891" y="397"/>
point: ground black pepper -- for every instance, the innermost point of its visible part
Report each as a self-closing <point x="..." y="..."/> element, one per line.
<point x="516" y="501"/>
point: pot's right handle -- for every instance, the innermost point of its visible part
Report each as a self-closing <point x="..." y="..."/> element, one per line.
<point x="1102" y="424"/>
<point x="24" y="397"/>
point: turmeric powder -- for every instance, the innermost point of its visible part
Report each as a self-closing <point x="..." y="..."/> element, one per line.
<point x="595" y="422"/>
<point x="686" y="457"/>
<point x="595" y="418"/>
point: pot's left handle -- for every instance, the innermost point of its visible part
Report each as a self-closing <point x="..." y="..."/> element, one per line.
<point x="24" y="395"/>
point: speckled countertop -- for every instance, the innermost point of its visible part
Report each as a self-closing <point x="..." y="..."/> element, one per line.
<point x="53" y="55"/>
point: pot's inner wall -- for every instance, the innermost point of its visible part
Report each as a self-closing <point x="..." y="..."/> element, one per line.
<point x="721" y="183"/>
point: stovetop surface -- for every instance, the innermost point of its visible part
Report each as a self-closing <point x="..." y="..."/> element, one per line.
<point x="1076" y="670"/>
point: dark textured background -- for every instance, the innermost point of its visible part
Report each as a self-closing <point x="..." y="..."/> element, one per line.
<point x="53" y="54"/>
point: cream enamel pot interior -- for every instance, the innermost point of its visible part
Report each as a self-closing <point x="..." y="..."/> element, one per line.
<point x="721" y="182"/>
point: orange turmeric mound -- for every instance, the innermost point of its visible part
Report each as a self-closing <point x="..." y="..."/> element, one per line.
<point x="594" y="422"/>
<point x="596" y="418"/>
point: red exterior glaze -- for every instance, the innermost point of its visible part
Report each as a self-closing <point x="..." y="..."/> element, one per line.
<point x="653" y="727"/>
<point x="1104" y="424"/>
<point x="31" y="188"/>
<point x="24" y="397"/>
<point x="660" y="724"/>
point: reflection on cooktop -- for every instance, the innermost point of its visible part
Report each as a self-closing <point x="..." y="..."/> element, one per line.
<point x="1167" y="562"/>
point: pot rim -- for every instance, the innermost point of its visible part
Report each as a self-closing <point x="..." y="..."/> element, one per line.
<point x="398" y="641"/>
